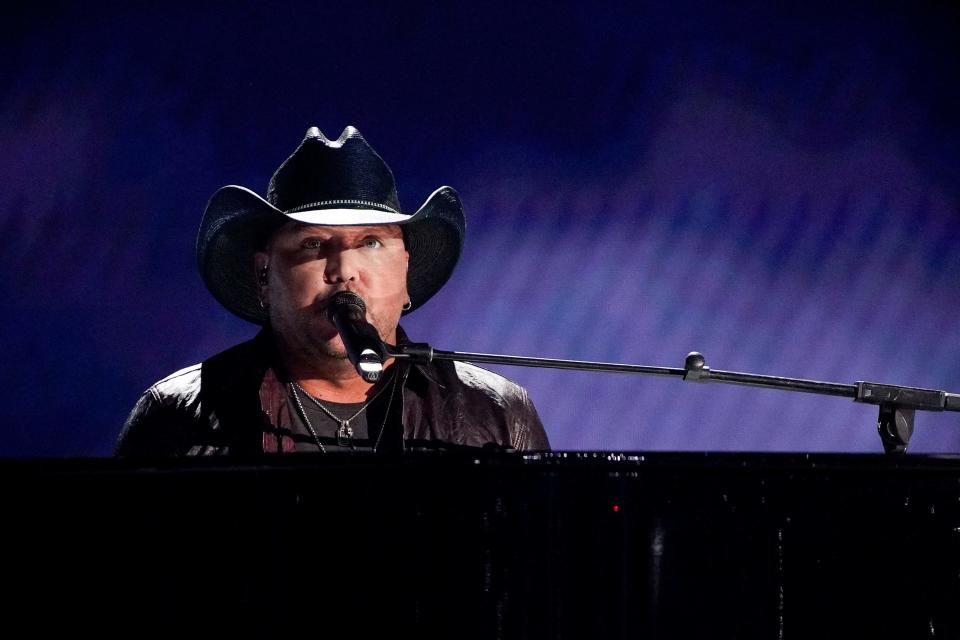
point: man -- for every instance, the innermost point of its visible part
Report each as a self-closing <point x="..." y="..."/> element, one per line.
<point x="331" y="222"/>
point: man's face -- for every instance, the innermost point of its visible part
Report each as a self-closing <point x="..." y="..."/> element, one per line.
<point x="309" y="263"/>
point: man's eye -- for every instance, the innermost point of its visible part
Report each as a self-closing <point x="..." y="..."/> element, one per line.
<point x="372" y="243"/>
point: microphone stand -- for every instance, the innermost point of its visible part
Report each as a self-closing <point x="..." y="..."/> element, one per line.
<point x="897" y="404"/>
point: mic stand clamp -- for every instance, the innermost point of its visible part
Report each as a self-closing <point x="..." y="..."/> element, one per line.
<point x="418" y="352"/>
<point x="895" y="427"/>
<point x="695" y="368"/>
<point x="898" y="406"/>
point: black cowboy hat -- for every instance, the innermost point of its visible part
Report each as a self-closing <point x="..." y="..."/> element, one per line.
<point x="339" y="182"/>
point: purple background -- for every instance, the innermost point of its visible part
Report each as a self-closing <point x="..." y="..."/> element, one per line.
<point x="777" y="188"/>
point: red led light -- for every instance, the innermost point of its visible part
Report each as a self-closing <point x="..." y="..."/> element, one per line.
<point x="616" y="508"/>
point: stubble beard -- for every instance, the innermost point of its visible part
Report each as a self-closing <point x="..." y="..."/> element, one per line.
<point x="332" y="348"/>
<point x="329" y="351"/>
<point x="308" y="340"/>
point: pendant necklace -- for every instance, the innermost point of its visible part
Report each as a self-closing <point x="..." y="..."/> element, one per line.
<point x="344" y="433"/>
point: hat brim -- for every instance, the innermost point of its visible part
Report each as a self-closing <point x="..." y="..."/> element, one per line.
<point x="237" y="223"/>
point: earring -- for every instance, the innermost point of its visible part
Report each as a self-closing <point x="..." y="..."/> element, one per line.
<point x="407" y="306"/>
<point x="262" y="279"/>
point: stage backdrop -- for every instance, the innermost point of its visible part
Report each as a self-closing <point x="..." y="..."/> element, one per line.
<point x="775" y="188"/>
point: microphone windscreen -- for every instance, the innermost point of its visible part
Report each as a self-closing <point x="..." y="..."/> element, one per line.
<point x="345" y="301"/>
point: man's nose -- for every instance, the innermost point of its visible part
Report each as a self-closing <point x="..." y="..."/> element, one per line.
<point x="342" y="266"/>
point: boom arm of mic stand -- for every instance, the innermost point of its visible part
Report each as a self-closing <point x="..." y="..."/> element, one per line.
<point x="898" y="405"/>
<point x="424" y="353"/>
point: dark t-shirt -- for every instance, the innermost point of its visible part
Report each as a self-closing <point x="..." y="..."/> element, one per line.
<point x="363" y="437"/>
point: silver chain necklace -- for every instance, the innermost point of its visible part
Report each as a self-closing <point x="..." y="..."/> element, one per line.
<point x="344" y="432"/>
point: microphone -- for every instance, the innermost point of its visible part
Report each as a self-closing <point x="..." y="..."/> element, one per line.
<point x="348" y="313"/>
